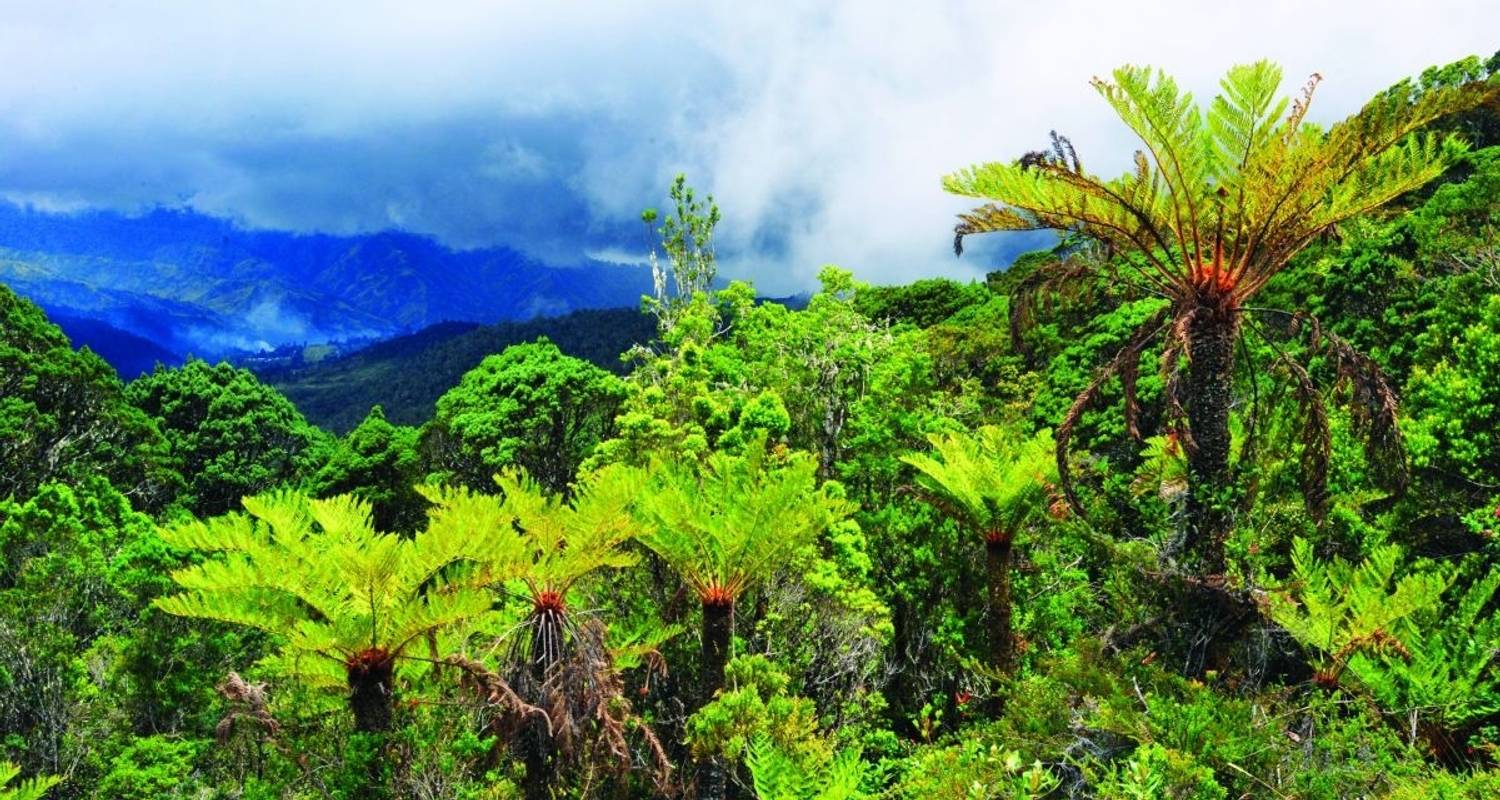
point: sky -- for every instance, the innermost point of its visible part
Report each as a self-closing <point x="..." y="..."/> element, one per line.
<point x="822" y="129"/>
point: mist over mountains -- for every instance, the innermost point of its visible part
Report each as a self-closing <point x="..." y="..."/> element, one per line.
<point x="174" y="282"/>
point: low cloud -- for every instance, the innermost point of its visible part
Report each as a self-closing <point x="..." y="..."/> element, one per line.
<point x="822" y="128"/>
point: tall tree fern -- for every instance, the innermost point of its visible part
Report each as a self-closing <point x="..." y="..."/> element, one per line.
<point x="545" y="546"/>
<point x="1217" y="202"/>
<point x="994" y="483"/>
<point x="726" y="524"/>
<point x="344" y="601"/>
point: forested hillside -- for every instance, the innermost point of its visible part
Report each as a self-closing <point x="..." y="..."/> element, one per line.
<point x="407" y="374"/>
<point x="1199" y="504"/>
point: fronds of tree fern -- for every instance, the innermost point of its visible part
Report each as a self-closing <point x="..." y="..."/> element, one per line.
<point x="29" y="789"/>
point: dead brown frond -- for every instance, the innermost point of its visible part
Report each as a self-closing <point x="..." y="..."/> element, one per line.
<point x="1060" y="156"/>
<point x="1174" y="412"/>
<point x="1130" y="353"/>
<point x="1357" y="383"/>
<point x="1374" y="406"/>
<point x="493" y="689"/>
<point x="1069" y="279"/>
<point x="1313" y="435"/>
<point x="563" y="685"/>
<point x="247" y="703"/>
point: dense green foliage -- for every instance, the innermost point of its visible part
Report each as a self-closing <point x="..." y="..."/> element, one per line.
<point x="406" y="375"/>
<point x="530" y="406"/>
<point x="63" y="414"/>
<point x="871" y="547"/>
<point x="227" y="433"/>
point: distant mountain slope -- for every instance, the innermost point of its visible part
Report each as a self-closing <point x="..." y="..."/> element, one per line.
<point x="190" y="282"/>
<point x="408" y="374"/>
<point x="130" y="355"/>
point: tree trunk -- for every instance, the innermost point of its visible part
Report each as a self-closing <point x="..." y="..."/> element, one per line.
<point x="997" y="558"/>
<point x="538" y="751"/>
<point x="370" y="690"/>
<point x="718" y="630"/>
<point x="536" y="755"/>
<point x="370" y="698"/>
<point x="1211" y="335"/>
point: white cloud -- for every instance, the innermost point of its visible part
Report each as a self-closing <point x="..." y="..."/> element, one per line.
<point x="822" y="127"/>
<point x="853" y="110"/>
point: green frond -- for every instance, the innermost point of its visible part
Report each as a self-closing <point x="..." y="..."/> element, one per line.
<point x="1170" y="125"/>
<point x="1407" y="166"/>
<point x="774" y="775"/>
<point x="316" y="575"/>
<point x="566" y="540"/>
<point x="464" y="525"/>
<point x="994" y="480"/>
<point x="1234" y="190"/>
<point x="631" y="649"/>
<point x="1338" y="609"/>
<point x="1448" y="670"/>
<point x="435" y="611"/>
<point x="777" y="776"/>
<point x="272" y="612"/>
<point x="30" y="789"/>
<point x="735" y="519"/>
<point x="259" y="570"/>
<point x="1035" y="199"/>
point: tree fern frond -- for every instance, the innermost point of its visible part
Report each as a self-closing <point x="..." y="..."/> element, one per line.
<point x="1222" y="199"/>
<point x="318" y="577"/>
<point x="733" y="519"/>
<point x="29" y="789"/>
<point x="994" y="478"/>
<point x="1341" y="610"/>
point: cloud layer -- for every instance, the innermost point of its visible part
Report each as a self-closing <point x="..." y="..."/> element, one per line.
<point x="821" y="127"/>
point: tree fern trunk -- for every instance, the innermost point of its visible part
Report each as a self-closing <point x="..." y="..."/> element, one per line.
<point x="718" y="630"/>
<point x="538" y="752"/>
<point x="997" y="558"/>
<point x="1211" y="337"/>
<point x="369" y="676"/>
<point x="370" y="690"/>
<point x="536" y="755"/>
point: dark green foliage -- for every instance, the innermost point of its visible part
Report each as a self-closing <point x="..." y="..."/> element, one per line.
<point x="83" y="660"/>
<point x="227" y="433"/>
<point x="379" y="463"/>
<point x="64" y="414"/>
<point x="152" y="767"/>
<point x="408" y="374"/>
<point x="531" y="406"/>
<point x="922" y="303"/>
<point x="1456" y="426"/>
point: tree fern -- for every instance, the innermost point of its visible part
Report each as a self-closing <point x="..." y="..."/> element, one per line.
<point x="1341" y="610"/>
<point x="733" y="520"/>
<point x="725" y="524"/>
<point x="562" y="670"/>
<point x="344" y="601"/>
<point x="993" y="483"/>
<point x="1217" y="202"/>
<point x="1220" y="199"/>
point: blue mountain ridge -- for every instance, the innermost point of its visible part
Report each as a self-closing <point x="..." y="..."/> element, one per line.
<point x="183" y="282"/>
